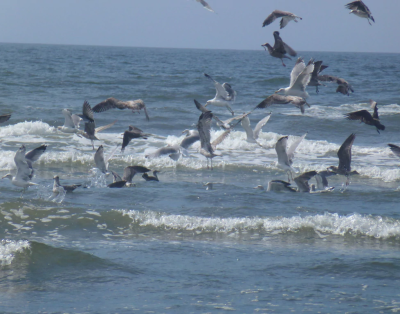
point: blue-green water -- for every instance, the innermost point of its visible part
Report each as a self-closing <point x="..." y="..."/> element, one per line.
<point x="173" y="246"/>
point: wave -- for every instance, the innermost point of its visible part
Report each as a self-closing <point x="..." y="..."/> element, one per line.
<point x="9" y="249"/>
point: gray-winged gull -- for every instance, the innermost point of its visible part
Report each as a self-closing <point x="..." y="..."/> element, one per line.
<point x="360" y="9"/>
<point x="224" y="97"/>
<point x="252" y="135"/>
<point x="286" y="18"/>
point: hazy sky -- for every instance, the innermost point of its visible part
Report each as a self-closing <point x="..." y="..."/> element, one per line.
<point x="326" y="24"/>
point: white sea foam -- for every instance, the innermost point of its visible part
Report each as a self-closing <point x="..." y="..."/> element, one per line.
<point x="9" y="248"/>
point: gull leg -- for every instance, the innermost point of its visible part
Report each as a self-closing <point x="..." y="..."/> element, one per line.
<point x="230" y="109"/>
<point x="283" y="63"/>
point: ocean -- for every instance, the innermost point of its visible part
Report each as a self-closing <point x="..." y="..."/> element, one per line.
<point x="173" y="246"/>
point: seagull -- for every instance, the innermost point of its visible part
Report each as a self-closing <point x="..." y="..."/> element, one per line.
<point x="299" y="79"/>
<point x="4" y="118"/>
<point x="286" y="18"/>
<point x="207" y="148"/>
<point x="280" y="99"/>
<point x="126" y="180"/>
<point x="395" y="149"/>
<point x="174" y="152"/>
<point x="279" y="186"/>
<point x="360" y="9"/>
<point x="344" y="87"/>
<point x="133" y="132"/>
<point x="302" y="181"/>
<point x="228" y="123"/>
<point x="252" y="135"/>
<point x="280" y="48"/>
<point x="205" y="5"/>
<point x="151" y="178"/>
<point x="366" y="117"/>
<point x="192" y="136"/>
<point x="134" y="105"/>
<point x="285" y="155"/>
<point x="318" y="68"/>
<point x="71" y="122"/>
<point x="87" y="112"/>
<point x="322" y="181"/>
<point x="100" y="161"/>
<point x="67" y="188"/>
<point x="200" y="106"/>
<point x="344" y="154"/>
<point x="24" y="166"/>
<point x="224" y="97"/>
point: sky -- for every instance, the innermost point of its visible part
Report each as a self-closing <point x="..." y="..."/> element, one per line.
<point x="237" y="24"/>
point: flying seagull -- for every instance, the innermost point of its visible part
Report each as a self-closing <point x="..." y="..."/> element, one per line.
<point x="200" y="106"/>
<point x="132" y="133"/>
<point x="286" y="155"/>
<point x="5" y="117"/>
<point x="67" y="188"/>
<point x="279" y="186"/>
<point x="126" y="180"/>
<point x="151" y="178"/>
<point x="302" y="181"/>
<point x="314" y="81"/>
<point x="231" y="122"/>
<point x="205" y="5"/>
<point x="110" y="103"/>
<point x="252" y="135"/>
<point x="286" y="18"/>
<point x="360" y="9"/>
<point x="71" y="122"/>
<point x="207" y="148"/>
<point x="366" y="117"/>
<point x="101" y="161"/>
<point x="344" y="154"/>
<point x="299" y="102"/>
<point x="24" y="166"/>
<point x="280" y="48"/>
<point x="224" y="97"/>
<point x="395" y="149"/>
<point x="192" y="136"/>
<point x="299" y="79"/>
<point x="343" y="86"/>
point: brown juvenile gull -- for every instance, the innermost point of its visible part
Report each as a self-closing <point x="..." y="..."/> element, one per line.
<point x="274" y="99"/>
<point x="280" y="48"/>
<point x="132" y="133"/>
<point x="207" y="148"/>
<point x="126" y="180"/>
<point x="344" y="154"/>
<point x="110" y="103"/>
<point x="67" y="188"/>
<point x="344" y="87"/>
<point x="286" y="18"/>
<point x="224" y="97"/>
<point x="366" y="117"/>
<point x="314" y="81"/>
<point x="299" y="79"/>
<point x="151" y="178"/>
<point x="360" y="9"/>
<point x="205" y="5"/>
<point x="395" y="149"/>
<point x="5" y="117"/>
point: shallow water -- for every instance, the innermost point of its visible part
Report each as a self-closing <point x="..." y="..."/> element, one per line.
<point x="173" y="246"/>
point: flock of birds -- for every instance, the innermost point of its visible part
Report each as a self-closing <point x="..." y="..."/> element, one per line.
<point x="302" y="75"/>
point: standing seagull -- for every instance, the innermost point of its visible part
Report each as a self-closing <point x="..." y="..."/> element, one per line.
<point x="299" y="79"/>
<point x="344" y="154"/>
<point x="110" y="103"/>
<point x="224" y="97"/>
<point x="252" y="135"/>
<point x="5" y="117"/>
<point x="203" y="126"/>
<point x="366" y="117"/>
<point x="360" y="9"/>
<point x="280" y="48"/>
<point x="205" y="5"/>
<point x="132" y="133"/>
<point x="285" y="156"/>
<point x="286" y="18"/>
<point x="280" y="99"/>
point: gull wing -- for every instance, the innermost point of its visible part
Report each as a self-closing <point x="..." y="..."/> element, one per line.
<point x="204" y="126"/>
<point x="76" y="120"/>
<point x="108" y="104"/>
<point x="303" y="78"/>
<point x="24" y="170"/>
<point x="328" y="78"/>
<point x="358" y="5"/>
<point x="35" y="154"/>
<point x="87" y="112"/>
<point x="302" y="181"/>
<point x="205" y="5"/>
<point x="260" y="124"/>
<point x="296" y="71"/>
<point x="289" y="49"/>
<point x="200" y="106"/>
<point x="344" y="153"/>
<point x="395" y="149"/>
<point x="279" y="45"/>
<point x="189" y="140"/>
<point x="146" y="113"/>
<point x="5" y="117"/>
<point x="219" y="139"/>
<point x="102" y="128"/>
<point x="116" y="176"/>
<point x="130" y="171"/>
<point x="221" y="92"/>
<point x="374" y="106"/>
<point x="99" y="159"/>
<point x="322" y="181"/>
<point x="68" y="122"/>
<point x="229" y="90"/>
<point x="280" y="148"/>
<point x="135" y="129"/>
<point x="272" y="17"/>
<point x="362" y="115"/>
<point x="293" y="147"/>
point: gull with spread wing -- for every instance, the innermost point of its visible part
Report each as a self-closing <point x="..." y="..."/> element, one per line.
<point x="252" y="135"/>
<point x="366" y="117"/>
<point x="280" y="48"/>
<point x="110" y="103"/>
<point x="225" y="96"/>
<point x="274" y="99"/>
<point x="359" y="9"/>
<point x="286" y="18"/>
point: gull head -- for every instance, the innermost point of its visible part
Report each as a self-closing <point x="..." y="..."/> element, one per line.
<point x="8" y="176"/>
<point x="266" y="45"/>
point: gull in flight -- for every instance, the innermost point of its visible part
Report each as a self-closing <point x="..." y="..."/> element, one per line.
<point x="207" y="148"/>
<point x="173" y="151"/>
<point x="110" y="103"/>
<point x="299" y="102"/>
<point x="280" y="49"/>
<point x="205" y="5"/>
<point x="360" y="9"/>
<point x="192" y="136"/>
<point x="71" y="122"/>
<point x="126" y="180"/>
<point x="314" y="81"/>
<point x="252" y="135"/>
<point x="286" y="155"/>
<point x="24" y="166"/>
<point x="224" y="97"/>
<point x="102" y="162"/>
<point x="151" y="178"/>
<point x="66" y="188"/>
<point x="4" y="118"/>
<point x="366" y="117"/>
<point x="286" y="18"/>
<point x="299" y="79"/>
<point x="132" y="133"/>
<point x="343" y="86"/>
<point x="231" y="122"/>
<point x="344" y="154"/>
